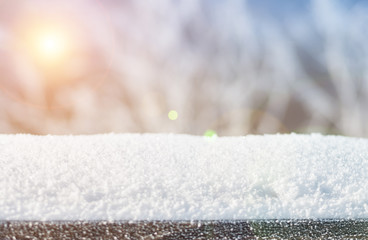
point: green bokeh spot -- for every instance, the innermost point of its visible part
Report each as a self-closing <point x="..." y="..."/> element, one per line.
<point x="173" y="115"/>
<point x="210" y="133"/>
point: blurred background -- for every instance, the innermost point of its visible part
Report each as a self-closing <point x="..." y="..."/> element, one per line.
<point x="184" y="66"/>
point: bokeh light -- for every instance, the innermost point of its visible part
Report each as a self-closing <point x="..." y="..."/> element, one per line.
<point x="173" y="115"/>
<point x="210" y="133"/>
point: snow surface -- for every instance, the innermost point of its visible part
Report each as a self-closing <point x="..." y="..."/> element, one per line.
<point x="181" y="177"/>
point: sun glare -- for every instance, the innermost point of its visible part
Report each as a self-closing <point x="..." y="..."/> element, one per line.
<point x="51" y="45"/>
<point x="48" y="46"/>
<point x="45" y="43"/>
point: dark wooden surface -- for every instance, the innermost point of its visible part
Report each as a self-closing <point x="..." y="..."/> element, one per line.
<point x="252" y="229"/>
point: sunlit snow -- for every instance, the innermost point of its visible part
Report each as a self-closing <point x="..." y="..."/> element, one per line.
<point x="182" y="177"/>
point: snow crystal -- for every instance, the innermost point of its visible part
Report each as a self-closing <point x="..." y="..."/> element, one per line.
<point x="181" y="177"/>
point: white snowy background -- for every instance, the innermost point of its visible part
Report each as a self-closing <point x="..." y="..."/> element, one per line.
<point x="236" y="67"/>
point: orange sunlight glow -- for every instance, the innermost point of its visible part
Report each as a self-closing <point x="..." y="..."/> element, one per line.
<point x="51" y="45"/>
<point x="48" y="45"/>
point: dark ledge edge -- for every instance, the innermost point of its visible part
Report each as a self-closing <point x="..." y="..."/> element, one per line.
<point x="187" y="229"/>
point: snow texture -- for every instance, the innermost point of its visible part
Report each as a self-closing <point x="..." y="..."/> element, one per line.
<point x="182" y="177"/>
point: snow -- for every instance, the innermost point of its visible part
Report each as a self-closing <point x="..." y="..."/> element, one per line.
<point x="182" y="177"/>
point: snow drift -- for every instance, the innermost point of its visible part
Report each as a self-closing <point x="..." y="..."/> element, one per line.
<point x="182" y="177"/>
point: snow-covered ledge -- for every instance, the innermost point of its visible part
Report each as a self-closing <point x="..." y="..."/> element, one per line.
<point x="182" y="177"/>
